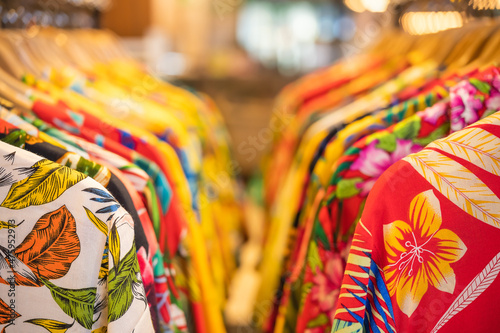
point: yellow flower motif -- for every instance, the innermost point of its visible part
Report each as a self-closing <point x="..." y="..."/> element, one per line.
<point x="420" y="253"/>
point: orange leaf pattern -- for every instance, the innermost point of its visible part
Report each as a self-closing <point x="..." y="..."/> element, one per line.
<point x="52" y="245"/>
<point x="52" y="248"/>
<point x="6" y="313"/>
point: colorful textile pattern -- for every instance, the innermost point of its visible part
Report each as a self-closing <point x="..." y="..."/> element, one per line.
<point x="356" y="172"/>
<point x="311" y="194"/>
<point x="412" y="266"/>
<point x="180" y="221"/>
<point x="101" y="174"/>
<point x="162" y="293"/>
<point x="64" y="248"/>
<point x="324" y="223"/>
<point x="296" y="166"/>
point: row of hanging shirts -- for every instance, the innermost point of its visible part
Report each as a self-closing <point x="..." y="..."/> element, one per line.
<point x="382" y="194"/>
<point x="119" y="206"/>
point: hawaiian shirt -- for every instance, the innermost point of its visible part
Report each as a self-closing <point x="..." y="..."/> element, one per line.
<point x="412" y="266"/>
<point x="363" y="163"/>
<point x="290" y="196"/>
<point x="65" y="249"/>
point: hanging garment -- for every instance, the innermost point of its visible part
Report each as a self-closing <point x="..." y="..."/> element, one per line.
<point x="333" y="216"/>
<point x="79" y="260"/>
<point x="412" y="266"/>
<point x="161" y="292"/>
<point x="289" y="195"/>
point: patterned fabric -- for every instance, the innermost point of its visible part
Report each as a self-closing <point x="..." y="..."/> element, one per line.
<point x="412" y="265"/>
<point x="290" y="191"/>
<point x="167" y="296"/>
<point x="356" y="172"/>
<point x="19" y="138"/>
<point x="110" y="137"/>
<point x="307" y="175"/>
<point x="65" y="249"/>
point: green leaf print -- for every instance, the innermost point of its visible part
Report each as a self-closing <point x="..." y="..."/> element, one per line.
<point x="387" y="142"/>
<point x="439" y="133"/>
<point x="408" y="129"/>
<point x="51" y="325"/>
<point x="77" y="303"/>
<point x="481" y="86"/>
<point x="120" y="281"/>
<point x="347" y="188"/>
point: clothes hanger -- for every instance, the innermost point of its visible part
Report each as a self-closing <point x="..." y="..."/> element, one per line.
<point x="11" y="70"/>
<point x="490" y="52"/>
<point x="443" y="50"/>
<point x="472" y="46"/>
<point x="12" y="62"/>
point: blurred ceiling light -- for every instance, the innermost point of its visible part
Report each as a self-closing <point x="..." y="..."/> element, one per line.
<point x="485" y="4"/>
<point x="355" y="5"/>
<point x="421" y="23"/>
<point x="376" y="6"/>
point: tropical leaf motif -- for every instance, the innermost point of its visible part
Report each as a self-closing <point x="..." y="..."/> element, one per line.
<point x="52" y="246"/>
<point x="90" y="168"/>
<point x="341" y="326"/>
<point x="104" y="197"/>
<point x="103" y="271"/>
<point x="473" y="290"/>
<point x="10" y="157"/>
<point x="458" y="184"/>
<point x="50" y="325"/>
<point x="103" y="200"/>
<point x="78" y="303"/>
<point x="103" y="227"/>
<point x="101" y="302"/>
<point x="114" y="245"/>
<point x="6" y="313"/>
<point x="47" y="182"/>
<point x="108" y="209"/>
<point x="120" y="282"/>
<point x="98" y="192"/>
<point x="16" y="137"/>
<point x="6" y="178"/>
<point x="313" y="258"/>
<point x="475" y="146"/>
<point x="14" y="271"/>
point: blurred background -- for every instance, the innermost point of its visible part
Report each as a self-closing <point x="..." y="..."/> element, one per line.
<point x="242" y="52"/>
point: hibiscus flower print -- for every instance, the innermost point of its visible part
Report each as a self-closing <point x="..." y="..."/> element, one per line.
<point x="420" y="253"/>
<point x="326" y="288"/>
<point x="464" y="105"/>
<point x="373" y="161"/>
<point x="433" y="113"/>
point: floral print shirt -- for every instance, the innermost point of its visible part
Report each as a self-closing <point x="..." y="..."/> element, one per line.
<point x="62" y="250"/>
<point x="414" y="263"/>
<point x="329" y="150"/>
<point x="19" y="138"/>
<point x="315" y="241"/>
